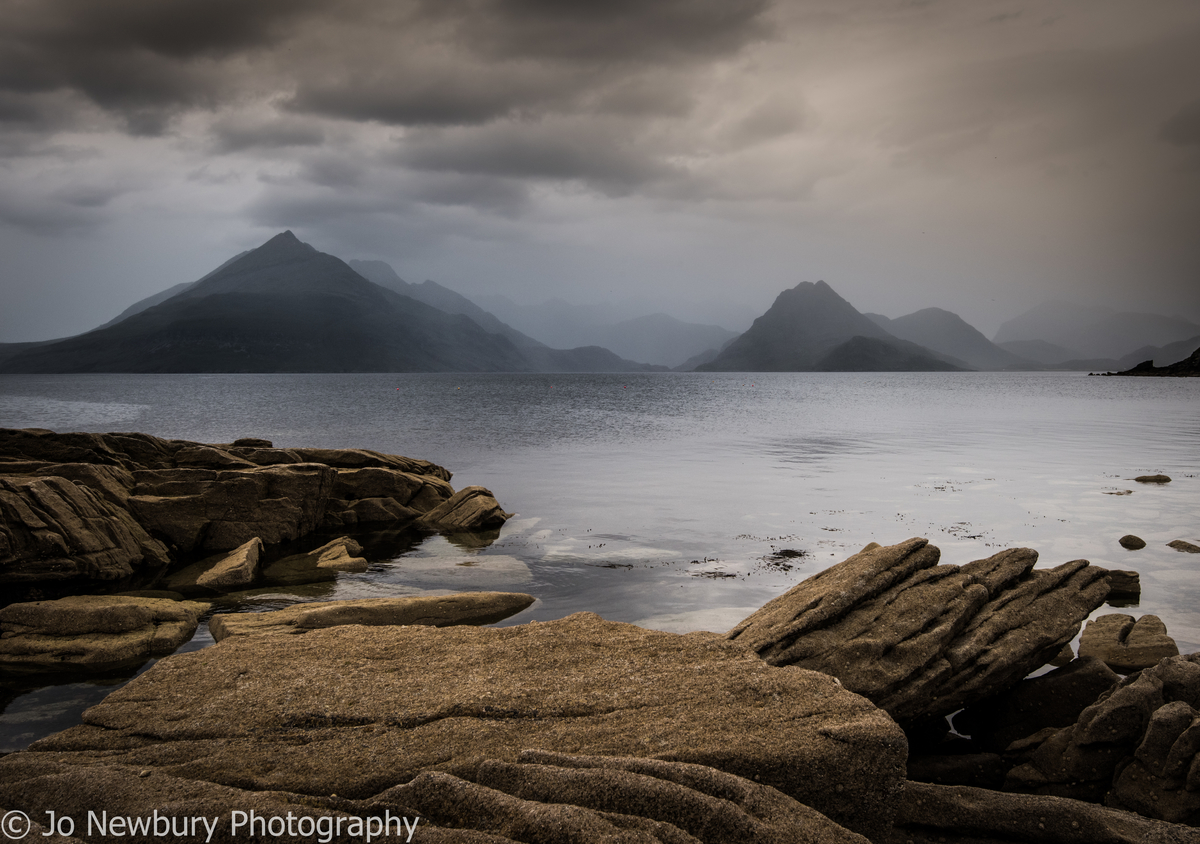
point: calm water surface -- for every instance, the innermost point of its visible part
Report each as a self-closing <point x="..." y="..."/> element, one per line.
<point x="660" y="498"/>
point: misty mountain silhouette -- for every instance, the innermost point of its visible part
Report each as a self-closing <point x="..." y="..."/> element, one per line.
<point x="810" y="328"/>
<point x="286" y="307"/>
<point x="1092" y="332"/>
<point x="948" y="333"/>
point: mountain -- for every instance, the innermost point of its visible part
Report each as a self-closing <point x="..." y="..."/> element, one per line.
<point x="1091" y="332"/>
<point x="283" y="307"/>
<point x="948" y="333"/>
<point x="812" y="328"/>
<point x="656" y="338"/>
<point x="157" y="298"/>
<point x="1039" y="351"/>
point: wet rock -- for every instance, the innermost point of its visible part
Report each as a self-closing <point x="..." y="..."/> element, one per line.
<point x="315" y="714"/>
<point x="434" y="611"/>
<point x="1131" y="542"/>
<point x="220" y="572"/>
<point x="1184" y="545"/>
<point x="95" y="632"/>
<point x="1134" y="749"/>
<point x="1055" y="699"/>
<point x="1152" y="479"/>
<point x="319" y="564"/>
<point x="921" y="639"/>
<point x="980" y="770"/>
<point x="1124" y="584"/>
<point x="1126" y="645"/>
<point x="54" y="530"/>
<point x="940" y="813"/>
<point x="471" y="508"/>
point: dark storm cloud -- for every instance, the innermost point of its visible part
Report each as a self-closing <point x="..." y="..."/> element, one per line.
<point x="256" y="131"/>
<point x="143" y="59"/>
<point x="1183" y="129"/>
<point x="602" y="155"/>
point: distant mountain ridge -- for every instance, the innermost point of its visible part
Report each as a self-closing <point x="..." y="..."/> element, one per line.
<point x="286" y="307"/>
<point x="810" y="328"/>
<point x="948" y="333"/>
<point x="1093" y="332"/>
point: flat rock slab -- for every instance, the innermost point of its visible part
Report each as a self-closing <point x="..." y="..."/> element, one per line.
<point x="319" y="564"/>
<point x="1126" y="645"/>
<point x="94" y="631"/>
<point x="221" y="572"/>
<point x="432" y="611"/>
<point x="1184" y="545"/>
<point x="922" y="639"/>
<point x="354" y="711"/>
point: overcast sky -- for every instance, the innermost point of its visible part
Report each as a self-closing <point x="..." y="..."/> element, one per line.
<point x="698" y="156"/>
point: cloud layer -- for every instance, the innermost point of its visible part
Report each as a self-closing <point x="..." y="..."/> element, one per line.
<point x="698" y="154"/>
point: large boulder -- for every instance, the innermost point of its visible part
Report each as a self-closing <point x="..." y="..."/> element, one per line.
<point x="55" y="531"/>
<point x="1135" y="748"/>
<point x="341" y="554"/>
<point x="471" y="508"/>
<point x="920" y="639"/>
<point x="94" y="632"/>
<point x="1126" y="645"/>
<point x="431" y="610"/>
<point x="355" y="711"/>
<point x="220" y="572"/>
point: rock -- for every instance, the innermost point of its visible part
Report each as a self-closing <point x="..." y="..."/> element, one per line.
<point x="941" y="813"/>
<point x="220" y="572"/>
<point x="434" y="611"/>
<point x="1152" y="479"/>
<point x="319" y="564"/>
<point x="1134" y="749"/>
<point x="471" y="508"/>
<point x="315" y="714"/>
<point x="1131" y="542"/>
<point x="1054" y="699"/>
<point x="920" y="639"/>
<point x="1124" y="584"/>
<point x="54" y="530"/>
<point x="208" y="510"/>
<point x="1125" y="645"/>
<point x="1183" y="545"/>
<point x="981" y="770"/>
<point x="95" y="632"/>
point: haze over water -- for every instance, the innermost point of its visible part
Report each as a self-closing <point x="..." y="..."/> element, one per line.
<point x="659" y="498"/>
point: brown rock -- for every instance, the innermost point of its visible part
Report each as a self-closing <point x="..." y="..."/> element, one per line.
<point x="1131" y="542"/>
<point x="1184" y="545"/>
<point x="1152" y="479"/>
<point x="95" y="632"/>
<point x="1124" y="584"/>
<point x="314" y="714"/>
<point x="920" y="639"/>
<point x="471" y="508"/>
<point x="960" y="814"/>
<point x="220" y="572"/>
<point x="56" y="530"/>
<point x="319" y="564"/>
<point x="433" y="611"/>
<point x="1125" y="645"/>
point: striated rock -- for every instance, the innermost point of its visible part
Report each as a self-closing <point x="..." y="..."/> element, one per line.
<point x="434" y="611"/>
<point x="82" y="507"/>
<point x="1125" y="645"/>
<point x="220" y="572"/>
<point x="207" y="510"/>
<point x="921" y="639"/>
<point x="1135" y="748"/>
<point x="1153" y="479"/>
<point x="1184" y="545"/>
<point x="1124" y="584"/>
<point x="959" y="814"/>
<point x="471" y="508"/>
<point x="95" y="632"/>
<point x="54" y="530"/>
<point x="319" y="564"/>
<point x="1054" y="699"/>
<point x="315" y="714"/>
<point x="1131" y="542"/>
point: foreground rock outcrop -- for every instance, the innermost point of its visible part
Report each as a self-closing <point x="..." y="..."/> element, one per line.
<point x="919" y="639"/>
<point x="94" y="632"/>
<point x="78" y="509"/>
<point x="356" y="711"/>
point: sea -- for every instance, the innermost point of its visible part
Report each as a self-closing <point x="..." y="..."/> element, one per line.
<point x="684" y="501"/>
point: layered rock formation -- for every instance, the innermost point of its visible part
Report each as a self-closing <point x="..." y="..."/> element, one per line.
<point x="919" y="639"/>
<point x="82" y="508"/>
<point x="315" y="714"/>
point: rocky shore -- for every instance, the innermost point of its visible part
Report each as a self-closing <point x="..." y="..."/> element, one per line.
<point x="885" y="699"/>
